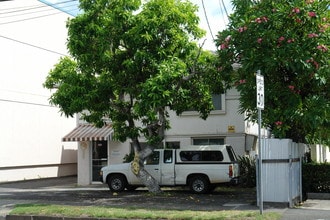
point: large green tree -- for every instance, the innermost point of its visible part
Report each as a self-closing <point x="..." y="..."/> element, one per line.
<point x="288" y="40"/>
<point x="132" y="63"/>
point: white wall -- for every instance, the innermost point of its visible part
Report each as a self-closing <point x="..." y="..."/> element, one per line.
<point x="320" y="153"/>
<point x="31" y="129"/>
<point x="188" y="126"/>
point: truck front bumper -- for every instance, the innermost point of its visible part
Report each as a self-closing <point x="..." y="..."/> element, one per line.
<point x="101" y="176"/>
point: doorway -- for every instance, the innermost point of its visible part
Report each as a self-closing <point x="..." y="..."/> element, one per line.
<point x="99" y="158"/>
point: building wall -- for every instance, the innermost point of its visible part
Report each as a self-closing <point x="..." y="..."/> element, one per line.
<point x="227" y="123"/>
<point x="320" y="153"/>
<point x="31" y="129"/>
<point x="189" y="125"/>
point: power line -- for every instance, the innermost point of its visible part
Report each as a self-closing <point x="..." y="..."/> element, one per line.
<point x="61" y="8"/>
<point x="25" y="19"/>
<point x="207" y="20"/>
<point x="27" y="103"/>
<point x="31" y="7"/>
<point x="31" y="45"/>
<point x="224" y="6"/>
<point x="31" y="18"/>
<point x="23" y="92"/>
<point x="32" y="12"/>
<point x="223" y="13"/>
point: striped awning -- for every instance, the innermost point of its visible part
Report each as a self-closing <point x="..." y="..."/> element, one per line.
<point x="88" y="132"/>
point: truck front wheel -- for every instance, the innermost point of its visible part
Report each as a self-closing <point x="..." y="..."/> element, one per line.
<point x="116" y="183"/>
<point x="199" y="184"/>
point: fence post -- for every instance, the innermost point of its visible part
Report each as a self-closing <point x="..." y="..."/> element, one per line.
<point x="300" y="180"/>
<point x="257" y="180"/>
<point x="291" y="182"/>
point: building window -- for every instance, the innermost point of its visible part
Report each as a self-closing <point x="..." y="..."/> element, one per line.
<point x="172" y="145"/>
<point x="208" y="141"/>
<point x="144" y="145"/>
<point x="218" y="103"/>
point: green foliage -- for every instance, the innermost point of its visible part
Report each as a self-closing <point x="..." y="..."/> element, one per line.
<point x="289" y="42"/>
<point x="247" y="166"/>
<point x="128" y="157"/>
<point x="316" y="178"/>
<point x="134" y="62"/>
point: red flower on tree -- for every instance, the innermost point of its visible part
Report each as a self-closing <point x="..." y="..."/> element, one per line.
<point x="311" y="14"/>
<point x="296" y="10"/>
<point x="296" y="31"/>
<point x="322" y="48"/>
<point x="278" y="123"/>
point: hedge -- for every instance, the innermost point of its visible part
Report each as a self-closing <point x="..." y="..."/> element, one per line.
<point x="316" y="178"/>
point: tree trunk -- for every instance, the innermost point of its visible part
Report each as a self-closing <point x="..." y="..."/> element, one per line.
<point x="138" y="169"/>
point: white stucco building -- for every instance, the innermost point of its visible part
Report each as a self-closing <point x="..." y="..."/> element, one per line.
<point x="223" y="126"/>
<point x="37" y="142"/>
<point x="320" y="153"/>
<point x="32" y="39"/>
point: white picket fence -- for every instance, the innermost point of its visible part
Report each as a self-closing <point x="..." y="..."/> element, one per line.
<point x="282" y="171"/>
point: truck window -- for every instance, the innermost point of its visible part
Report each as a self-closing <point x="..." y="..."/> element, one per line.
<point x="153" y="159"/>
<point x="231" y="153"/>
<point x="212" y="156"/>
<point x="206" y="156"/>
<point x="168" y="156"/>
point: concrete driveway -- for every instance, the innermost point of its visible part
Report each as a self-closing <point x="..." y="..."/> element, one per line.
<point x="65" y="191"/>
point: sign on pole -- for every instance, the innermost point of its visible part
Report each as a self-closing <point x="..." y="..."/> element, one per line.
<point x="260" y="91"/>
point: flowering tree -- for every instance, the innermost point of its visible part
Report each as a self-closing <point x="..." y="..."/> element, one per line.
<point x="289" y="42"/>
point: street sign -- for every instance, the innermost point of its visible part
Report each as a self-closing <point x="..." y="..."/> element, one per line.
<point x="260" y="91"/>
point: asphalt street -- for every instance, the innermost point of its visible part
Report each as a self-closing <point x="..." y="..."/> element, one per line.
<point x="65" y="191"/>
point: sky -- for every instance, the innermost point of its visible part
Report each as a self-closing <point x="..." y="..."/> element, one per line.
<point x="212" y="19"/>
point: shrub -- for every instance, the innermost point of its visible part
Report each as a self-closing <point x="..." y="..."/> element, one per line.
<point x="247" y="166"/>
<point x="316" y="178"/>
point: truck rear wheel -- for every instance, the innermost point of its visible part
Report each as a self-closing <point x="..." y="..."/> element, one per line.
<point x="199" y="184"/>
<point x="116" y="183"/>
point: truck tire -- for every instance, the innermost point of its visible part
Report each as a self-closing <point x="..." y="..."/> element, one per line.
<point x="199" y="184"/>
<point x="116" y="183"/>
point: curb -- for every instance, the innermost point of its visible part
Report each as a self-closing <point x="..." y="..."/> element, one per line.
<point x="321" y="196"/>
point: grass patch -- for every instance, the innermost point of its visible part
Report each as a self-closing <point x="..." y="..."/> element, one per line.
<point x="127" y="213"/>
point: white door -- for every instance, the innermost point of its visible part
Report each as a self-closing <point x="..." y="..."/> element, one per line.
<point x="167" y="168"/>
<point x="152" y="165"/>
<point x="99" y="158"/>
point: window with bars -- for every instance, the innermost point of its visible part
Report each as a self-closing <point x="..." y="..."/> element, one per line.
<point x="208" y="141"/>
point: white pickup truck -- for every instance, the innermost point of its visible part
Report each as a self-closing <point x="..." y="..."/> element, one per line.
<point x="201" y="168"/>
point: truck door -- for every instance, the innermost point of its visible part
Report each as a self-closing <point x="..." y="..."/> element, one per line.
<point x="152" y="165"/>
<point x="167" y="168"/>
